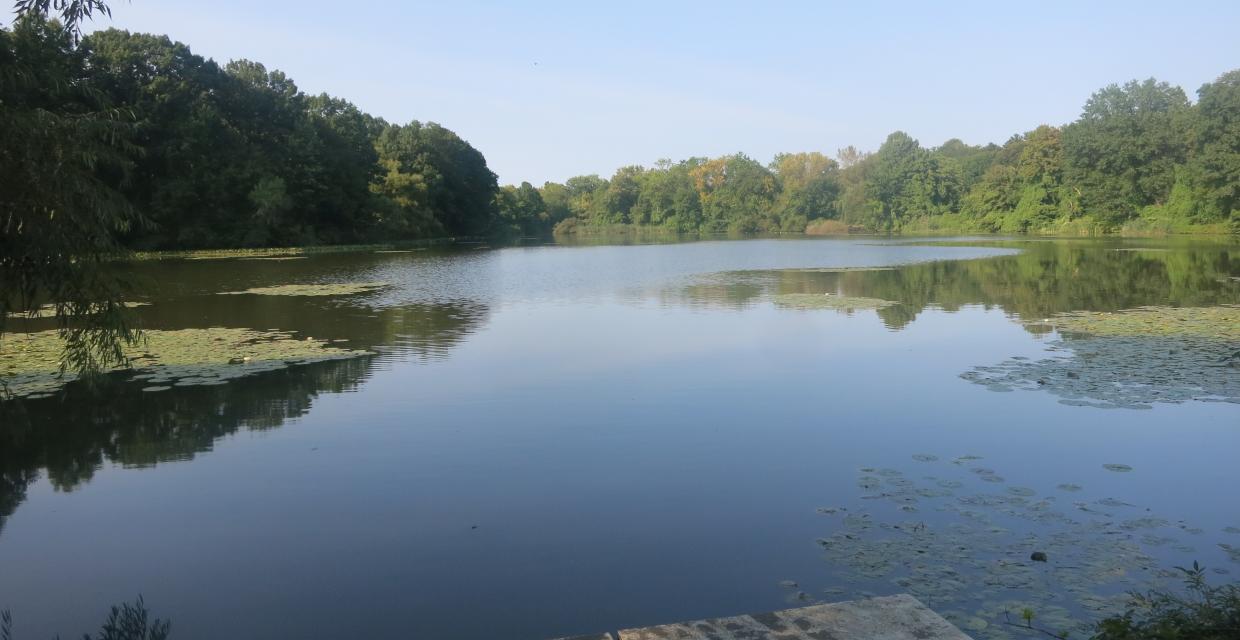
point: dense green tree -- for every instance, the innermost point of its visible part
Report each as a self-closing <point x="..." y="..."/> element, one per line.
<point x="1123" y="150"/>
<point x="668" y="198"/>
<point x="1216" y="158"/>
<point x="620" y="195"/>
<point x="586" y="197"/>
<point x="737" y="193"/>
<point x="810" y="186"/>
<point x="183" y="180"/>
<point x="972" y="162"/>
<point x="459" y="188"/>
<point x="522" y="210"/>
<point x="909" y="182"/>
<point x="218" y="142"/>
<point x="853" y="206"/>
<point x="556" y="199"/>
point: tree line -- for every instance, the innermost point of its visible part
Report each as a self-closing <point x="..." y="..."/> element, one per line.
<point x="1141" y="157"/>
<point x="186" y="153"/>
<point x="207" y="155"/>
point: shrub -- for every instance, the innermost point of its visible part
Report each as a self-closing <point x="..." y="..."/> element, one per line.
<point x="1205" y="612"/>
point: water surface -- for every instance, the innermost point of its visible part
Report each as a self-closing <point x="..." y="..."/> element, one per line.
<point x="554" y="440"/>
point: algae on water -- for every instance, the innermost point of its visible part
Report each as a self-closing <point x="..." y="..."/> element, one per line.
<point x="829" y="301"/>
<point x="30" y="362"/>
<point x="1221" y="322"/>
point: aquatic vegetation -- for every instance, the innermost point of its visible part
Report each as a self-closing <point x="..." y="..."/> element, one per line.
<point x="980" y="557"/>
<point x="1131" y="359"/>
<point x="1130" y="372"/>
<point x="1120" y="468"/>
<point x="829" y="301"/>
<point x="326" y="289"/>
<point x="1221" y="322"/>
<point x="30" y="362"/>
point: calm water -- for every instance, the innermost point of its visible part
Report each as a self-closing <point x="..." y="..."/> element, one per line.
<point x="557" y="440"/>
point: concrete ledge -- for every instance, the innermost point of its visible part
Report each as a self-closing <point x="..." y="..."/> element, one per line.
<point x="901" y="617"/>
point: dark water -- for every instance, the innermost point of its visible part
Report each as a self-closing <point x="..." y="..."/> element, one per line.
<point x="558" y="440"/>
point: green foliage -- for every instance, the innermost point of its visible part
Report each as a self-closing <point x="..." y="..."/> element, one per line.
<point x="70" y="12"/>
<point x="1215" y="167"/>
<point x="1140" y="159"/>
<point x="1206" y="612"/>
<point x="810" y="186"/>
<point x="522" y="209"/>
<point x="1123" y="150"/>
<point x="909" y="182"/>
<point x="64" y="149"/>
<point x="453" y="182"/>
<point x="238" y="156"/>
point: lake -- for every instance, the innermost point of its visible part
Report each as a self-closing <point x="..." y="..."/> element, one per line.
<point x="548" y="440"/>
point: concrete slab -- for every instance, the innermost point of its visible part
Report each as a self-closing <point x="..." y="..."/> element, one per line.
<point x="901" y="617"/>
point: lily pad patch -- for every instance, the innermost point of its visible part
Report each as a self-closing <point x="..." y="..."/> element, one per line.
<point x="30" y="362"/>
<point x="978" y="555"/>
<point x="807" y="301"/>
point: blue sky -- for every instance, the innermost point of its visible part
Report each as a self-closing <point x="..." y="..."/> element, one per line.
<point x="551" y="90"/>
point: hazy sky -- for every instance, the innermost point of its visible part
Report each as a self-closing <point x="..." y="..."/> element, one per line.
<point x="551" y="90"/>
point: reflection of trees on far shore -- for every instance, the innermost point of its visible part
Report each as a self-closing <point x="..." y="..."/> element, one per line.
<point x="1044" y="279"/>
